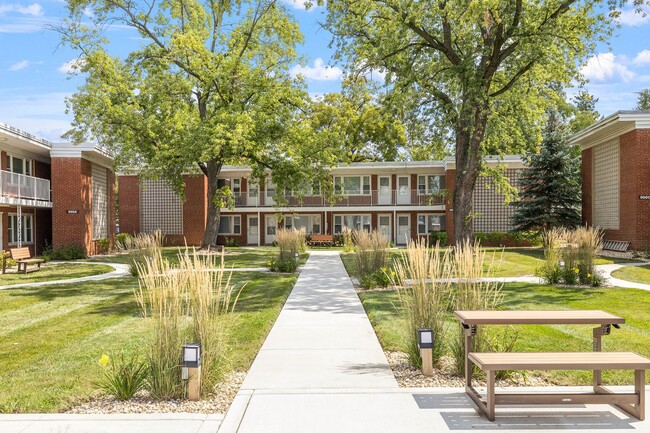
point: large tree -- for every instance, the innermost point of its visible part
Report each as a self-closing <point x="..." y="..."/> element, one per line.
<point x="471" y="68"/>
<point x="209" y="86"/>
<point x="643" y="100"/>
<point x="550" y="187"/>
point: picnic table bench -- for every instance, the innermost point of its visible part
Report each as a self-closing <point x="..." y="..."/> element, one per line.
<point x="23" y="258"/>
<point x="321" y="240"/>
<point x="632" y="403"/>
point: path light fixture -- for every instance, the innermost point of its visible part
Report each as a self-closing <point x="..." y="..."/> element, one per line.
<point x="192" y="370"/>
<point x="425" y="343"/>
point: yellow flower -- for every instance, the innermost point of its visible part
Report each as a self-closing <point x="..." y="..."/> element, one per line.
<point x="104" y="360"/>
<point x="576" y="270"/>
<point x="588" y="275"/>
<point x="392" y="273"/>
<point x="384" y="269"/>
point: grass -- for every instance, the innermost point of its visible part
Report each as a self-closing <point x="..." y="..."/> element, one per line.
<point x="53" y="336"/>
<point x="631" y="304"/>
<point x="635" y="274"/>
<point x="54" y="272"/>
<point x="235" y="257"/>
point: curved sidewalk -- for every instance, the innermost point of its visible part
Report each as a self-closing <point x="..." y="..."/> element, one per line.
<point x="119" y="270"/>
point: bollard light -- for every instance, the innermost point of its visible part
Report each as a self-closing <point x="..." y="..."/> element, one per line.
<point x="192" y="355"/>
<point x="425" y="338"/>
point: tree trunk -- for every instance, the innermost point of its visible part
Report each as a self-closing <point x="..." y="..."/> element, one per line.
<point x="470" y="133"/>
<point x="214" y="211"/>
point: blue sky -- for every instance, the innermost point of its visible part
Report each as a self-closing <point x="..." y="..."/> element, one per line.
<point x="34" y="79"/>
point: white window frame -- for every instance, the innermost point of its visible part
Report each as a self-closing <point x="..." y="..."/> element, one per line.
<point x="364" y="181"/>
<point x="341" y="223"/>
<point x="426" y="222"/>
<point x="313" y="218"/>
<point x="232" y="225"/>
<point x="269" y="185"/>
<point x="426" y="190"/>
<point x="27" y="225"/>
<point x="27" y="168"/>
<point x="235" y="186"/>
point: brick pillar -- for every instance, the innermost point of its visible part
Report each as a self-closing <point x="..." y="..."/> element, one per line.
<point x="129" y="199"/>
<point x="450" y="181"/>
<point x="72" y="202"/>
<point x="195" y="209"/>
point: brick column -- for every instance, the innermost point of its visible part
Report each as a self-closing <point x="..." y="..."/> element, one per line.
<point x="450" y="181"/>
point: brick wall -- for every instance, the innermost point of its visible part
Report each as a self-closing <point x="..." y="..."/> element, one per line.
<point x="129" y="199"/>
<point x="42" y="229"/>
<point x="195" y="209"/>
<point x="450" y="182"/>
<point x="641" y="174"/>
<point x="41" y="170"/>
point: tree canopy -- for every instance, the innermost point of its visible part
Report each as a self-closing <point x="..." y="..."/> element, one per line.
<point x="643" y="100"/>
<point x="209" y="86"/>
<point x="475" y="71"/>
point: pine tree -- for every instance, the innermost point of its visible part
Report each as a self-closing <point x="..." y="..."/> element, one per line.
<point x="550" y="187"/>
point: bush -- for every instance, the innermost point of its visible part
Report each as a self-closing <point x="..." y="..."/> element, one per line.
<point x="103" y="245"/>
<point x="438" y="238"/>
<point x="122" y="377"/>
<point x="347" y="239"/>
<point x="231" y="242"/>
<point x="66" y="252"/>
<point x="121" y="240"/>
<point x="370" y="257"/>
<point x="508" y="239"/>
<point x="570" y="256"/>
<point x="277" y="264"/>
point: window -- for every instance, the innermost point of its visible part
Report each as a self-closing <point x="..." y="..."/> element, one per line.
<point x="306" y="190"/>
<point x="27" y="228"/>
<point x="430" y="184"/>
<point x="352" y="185"/>
<point x="236" y="186"/>
<point x="19" y="165"/>
<point x="310" y="223"/>
<point x="428" y="223"/>
<point x="230" y="225"/>
<point x="352" y="222"/>
<point x="253" y="189"/>
<point x="270" y="188"/>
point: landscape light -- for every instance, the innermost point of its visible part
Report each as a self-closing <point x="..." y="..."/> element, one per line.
<point x="192" y="355"/>
<point x="425" y="338"/>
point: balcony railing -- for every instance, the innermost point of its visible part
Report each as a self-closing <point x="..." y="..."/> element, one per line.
<point x="20" y="186"/>
<point x="374" y="198"/>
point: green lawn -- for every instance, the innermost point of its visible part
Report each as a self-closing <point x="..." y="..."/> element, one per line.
<point x="53" y="272"/>
<point x="636" y="274"/>
<point x="52" y="336"/>
<point x="236" y="257"/>
<point x="633" y="305"/>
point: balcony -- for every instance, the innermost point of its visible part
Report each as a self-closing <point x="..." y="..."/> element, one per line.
<point x="393" y="198"/>
<point x="19" y="189"/>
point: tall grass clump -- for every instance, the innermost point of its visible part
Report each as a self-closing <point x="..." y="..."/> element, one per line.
<point x="184" y="304"/>
<point x="370" y="258"/>
<point x="422" y="277"/>
<point x="348" y="240"/>
<point x="471" y="291"/>
<point x="570" y="256"/>
<point x="139" y="247"/>
<point x="290" y="242"/>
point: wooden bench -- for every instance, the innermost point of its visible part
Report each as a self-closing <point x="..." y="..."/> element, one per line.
<point x="322" y="240"/>
<point x="632" y="403"/>
<point x="22" y="257"/>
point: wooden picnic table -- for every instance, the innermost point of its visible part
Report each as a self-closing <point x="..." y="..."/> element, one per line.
<point x="604" y="321"/>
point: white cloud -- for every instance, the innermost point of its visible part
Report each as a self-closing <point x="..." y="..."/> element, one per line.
<point x="632" y="18"/>
<point x="71" y="66"/>
<point x="26" y="24"/>
<point x="34" y="9"/>
<point x="41" y="114"/>
<point x="20" y="65"/>
<point x="642" y="58"/>
<point x="88" y="12"/>
<point x="319" y="72"/>
<point x="605" y="67"/>
<point x="300" y="4"/>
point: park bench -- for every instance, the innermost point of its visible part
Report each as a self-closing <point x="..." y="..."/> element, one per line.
<point x="632" y="403"/>
<point x="322" y="240"/>
<point x="23" y="258"/>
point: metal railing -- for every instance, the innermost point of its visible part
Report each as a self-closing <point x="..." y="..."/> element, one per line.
<point x="409" y="197"/>
<point x="20" y="186"/>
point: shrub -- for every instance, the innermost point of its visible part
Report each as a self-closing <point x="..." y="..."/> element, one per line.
<point x="66" y="252"/>
<point x="231" y="242"/>
<point x="140" y="246"/>
<point x="103" y="245"/>
<point x="473" y="292"/>
<point x="277" y="264"/>
<point x="291" y="243"/>
<point x="122" y="377"/>
<point x="370" y="256"/>
<point x="570" y="256"/>
<point x="196" y="289"/>
<point x="121" y="241"/>
<point x="347" y="239"/>
<point x="422" y="277"/>
<point x="438" y="238"/>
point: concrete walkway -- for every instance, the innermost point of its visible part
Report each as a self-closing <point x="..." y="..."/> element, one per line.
<point x="119" y="270"/>
<point x="322" y="369"/>
<point x="612" y="281"/>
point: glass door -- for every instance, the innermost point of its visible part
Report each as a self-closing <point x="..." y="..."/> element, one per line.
<point x="253" y="230"/>
<point x="384" y="190"/>
<point x="403" y="189"/>
<point x="403" y="229"/>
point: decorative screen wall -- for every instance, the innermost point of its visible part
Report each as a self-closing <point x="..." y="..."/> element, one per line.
<point x="492" y="213"/>
<point x="99" y="202"/>
<point x="160" y="208"/>
<point x="606" y="181"/>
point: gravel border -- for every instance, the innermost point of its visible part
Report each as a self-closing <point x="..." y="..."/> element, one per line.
<point x="216" y="402"/>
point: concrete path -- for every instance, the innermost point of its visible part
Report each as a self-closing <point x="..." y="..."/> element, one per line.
<point x="321" y="370"/>
<point x="612" y="281"/>
<point x="119" y="270"/>
<point x="121" y="423"/>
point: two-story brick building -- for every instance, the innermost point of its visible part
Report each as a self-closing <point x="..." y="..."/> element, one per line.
<point x="403" y="200"/>
<point x="616" y="176"/>
<point x="53" y="193"/>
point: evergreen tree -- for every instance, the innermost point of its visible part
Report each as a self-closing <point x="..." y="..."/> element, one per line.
<point x="550" y="187"/>
<point x="643" y="100"/>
